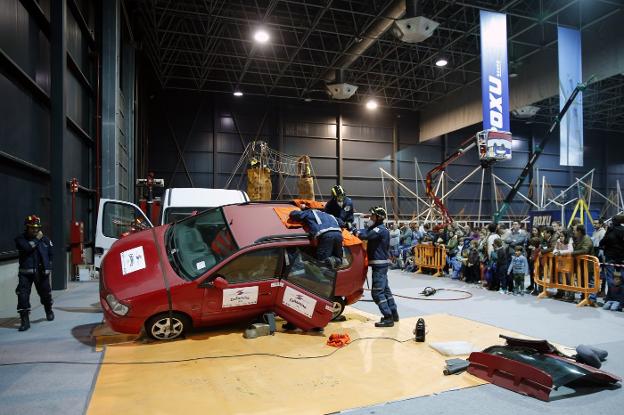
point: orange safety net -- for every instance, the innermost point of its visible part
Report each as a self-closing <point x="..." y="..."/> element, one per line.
<point x="348" y="239"/>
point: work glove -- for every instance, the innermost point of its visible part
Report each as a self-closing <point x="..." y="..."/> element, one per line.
<point x="39" y="235"/>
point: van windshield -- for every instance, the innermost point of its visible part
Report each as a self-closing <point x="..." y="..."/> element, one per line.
<point x="198" y="243"/>
<point x="175" y="214"/>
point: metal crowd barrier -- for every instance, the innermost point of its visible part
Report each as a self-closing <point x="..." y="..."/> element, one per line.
<point x="568" y="273"/>
<point x="430" y="257"/>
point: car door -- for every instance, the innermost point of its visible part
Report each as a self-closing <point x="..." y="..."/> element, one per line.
<point x="305" y="291"/>
<point x="252" y="283"/>
<point x="115" y="217"/>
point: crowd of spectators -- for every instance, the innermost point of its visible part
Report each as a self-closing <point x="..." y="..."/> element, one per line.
<point x="502" y="258"/>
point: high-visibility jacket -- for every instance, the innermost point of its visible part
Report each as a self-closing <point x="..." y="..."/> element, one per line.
<point x="315" y="222"/>
<point x="344" y="212"/>
<point x="378" y="247"/>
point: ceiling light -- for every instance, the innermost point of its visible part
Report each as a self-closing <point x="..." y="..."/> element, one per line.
<point x="307" y="99"/>
<point x="261" y="36"/>
<point x="371" y="104"/>
<point x="441" y="62"/>
<point x="238" y="94"/>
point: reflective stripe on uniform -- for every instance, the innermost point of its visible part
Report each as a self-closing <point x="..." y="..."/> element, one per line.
<point x="318" y="220"/>
<point x="379" y="262"/>
<point x="319" y="233"/>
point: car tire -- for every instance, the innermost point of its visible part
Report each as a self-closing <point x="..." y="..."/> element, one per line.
<point x="158" y="327"/>
<point x="338" y="307"/>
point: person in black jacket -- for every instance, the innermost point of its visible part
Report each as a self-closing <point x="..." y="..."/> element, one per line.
<point x="613" y="246"/>
<point x="35" y="265"/>
<point x="340" y="206"/>
<point x="377" y="249"/>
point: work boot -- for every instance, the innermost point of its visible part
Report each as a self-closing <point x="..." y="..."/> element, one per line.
<point x="25" y="321"/>
<point x="385" y="322"/>
<point x="395" y="316"/>
<point x="289" y="326"/>
<point x="49" y="313"/>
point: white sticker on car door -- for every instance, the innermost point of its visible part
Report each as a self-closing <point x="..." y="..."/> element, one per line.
<point x="299" y="302"/>
<point x="236" y="297"/>
<point x="132" y="260"/>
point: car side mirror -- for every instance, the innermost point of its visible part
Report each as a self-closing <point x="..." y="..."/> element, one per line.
<point x="220" y="283"/>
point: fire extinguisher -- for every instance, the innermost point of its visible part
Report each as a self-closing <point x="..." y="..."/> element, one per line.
<point x="76" y="233"/>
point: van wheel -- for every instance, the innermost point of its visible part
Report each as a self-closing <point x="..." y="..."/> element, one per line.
<point x="160" y="327"/>
<point x="338" y="307"/>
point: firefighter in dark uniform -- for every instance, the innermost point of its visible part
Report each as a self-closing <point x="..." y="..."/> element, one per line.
<point x="340" y="206"/>
<point x="35" y="265"/>
<point x="327" y="231"/>
<point x="377" y="249"/>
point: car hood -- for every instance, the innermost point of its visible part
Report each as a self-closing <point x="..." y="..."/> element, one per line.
<point x="133" y="264"/>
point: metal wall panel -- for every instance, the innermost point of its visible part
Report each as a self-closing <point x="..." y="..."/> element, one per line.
<point x="25" y="125"/>
<point x="367" y="145"/>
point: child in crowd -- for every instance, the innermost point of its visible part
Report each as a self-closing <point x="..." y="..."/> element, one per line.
<point x="472" y="272"/>
<point x="518" y="269"/>
<point x="614" y="300"/>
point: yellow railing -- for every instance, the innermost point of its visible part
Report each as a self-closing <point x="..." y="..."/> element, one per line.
<point x="568" y="273"/>
<point x="430" y="257"/>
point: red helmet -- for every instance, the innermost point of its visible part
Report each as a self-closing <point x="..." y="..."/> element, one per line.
<point x="33" y="221"/>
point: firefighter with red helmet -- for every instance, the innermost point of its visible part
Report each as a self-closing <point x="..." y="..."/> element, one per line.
<point x="35" y="265"/>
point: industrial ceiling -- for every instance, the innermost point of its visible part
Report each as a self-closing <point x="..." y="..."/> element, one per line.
<point x="209" y="46"/>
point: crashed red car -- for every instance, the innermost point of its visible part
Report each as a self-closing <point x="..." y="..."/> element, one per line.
<point x="226" y="264"/>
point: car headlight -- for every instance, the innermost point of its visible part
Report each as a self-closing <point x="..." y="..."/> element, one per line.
<point x="116" y="306"/>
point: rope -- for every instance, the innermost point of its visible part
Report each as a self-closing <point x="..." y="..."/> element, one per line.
<point x="467" y="295"/>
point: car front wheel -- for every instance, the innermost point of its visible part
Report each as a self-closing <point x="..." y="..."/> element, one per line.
<point x="161" y="327"/>
<point x="338" y="307"/>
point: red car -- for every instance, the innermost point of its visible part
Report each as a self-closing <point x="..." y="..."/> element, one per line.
<point x="223" y="265"/>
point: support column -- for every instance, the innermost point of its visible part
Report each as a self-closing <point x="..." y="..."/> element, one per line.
<point x="395" y="167"/>
<point x="110" y="98"/>
<point x="58" y="189"/>
<point x="215" y="122"/>
<point x="339" y="169"/>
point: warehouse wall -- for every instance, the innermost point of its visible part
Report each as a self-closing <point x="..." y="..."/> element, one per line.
<point x="367" y="141"/>
<point x="26" y="169"/>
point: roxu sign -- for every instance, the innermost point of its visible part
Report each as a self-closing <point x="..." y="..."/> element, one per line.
<point x="494" y="81"/>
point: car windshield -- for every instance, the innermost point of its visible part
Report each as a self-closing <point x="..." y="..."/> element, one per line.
<point x="198" y="243"/>
<point x="175" y="214"/>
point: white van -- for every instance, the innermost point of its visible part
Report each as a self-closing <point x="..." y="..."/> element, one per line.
<point x="116" y="217"/>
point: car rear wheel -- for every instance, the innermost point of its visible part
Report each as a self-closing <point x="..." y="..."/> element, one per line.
<point x="338" y="307"/>
<point x="160" y="327"/>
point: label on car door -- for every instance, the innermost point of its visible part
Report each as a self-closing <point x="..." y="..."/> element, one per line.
<point x="132" y="260"/>
<point x="236" y="297"/>
<point x="299" y="302"/>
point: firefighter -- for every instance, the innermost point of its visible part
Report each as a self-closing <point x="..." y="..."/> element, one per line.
<point x="35" y="265"/>
<point x="340" y="206"/>
<point x="378" y="238"/>
<point x="327" y="231"/>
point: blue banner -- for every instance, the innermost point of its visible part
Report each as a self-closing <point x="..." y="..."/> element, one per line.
<point x="570" y="73"/>
<point x="494" y="80"/>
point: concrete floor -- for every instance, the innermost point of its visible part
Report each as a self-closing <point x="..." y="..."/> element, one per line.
<point x="65" y="389"/>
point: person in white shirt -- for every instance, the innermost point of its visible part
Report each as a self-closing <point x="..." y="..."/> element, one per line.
<point x="395" y="237"/>
<point x="565" y="245"/>
<point x="599" y="233"/>
<point x="492" y="236"/>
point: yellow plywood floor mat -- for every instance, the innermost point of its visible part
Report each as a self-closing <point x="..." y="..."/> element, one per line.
<point x="365" y="373"/>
